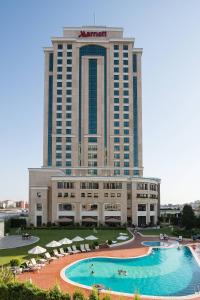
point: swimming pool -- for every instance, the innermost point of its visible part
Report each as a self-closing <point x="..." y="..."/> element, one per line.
<point x="164" y="272"/>
<point x="168" y="243"/>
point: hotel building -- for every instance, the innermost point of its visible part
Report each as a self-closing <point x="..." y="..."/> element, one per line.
<point x="92" y="169"/>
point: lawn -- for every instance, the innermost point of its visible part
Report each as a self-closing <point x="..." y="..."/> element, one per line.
<point x="47" y="235"/>
<point x="166" y="230"/>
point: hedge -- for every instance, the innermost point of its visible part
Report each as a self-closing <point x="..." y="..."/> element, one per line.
<point x="28" y="291"/>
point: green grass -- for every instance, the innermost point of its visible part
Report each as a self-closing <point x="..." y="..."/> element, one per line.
<point x="166" y="230"/>
<point x="47" y="235"/>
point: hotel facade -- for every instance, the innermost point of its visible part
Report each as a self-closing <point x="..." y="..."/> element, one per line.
<point x="92" y="169"/>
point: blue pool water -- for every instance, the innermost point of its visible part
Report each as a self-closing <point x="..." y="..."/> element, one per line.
<point x="154" y="243"/>
<point x="165" y="272"/>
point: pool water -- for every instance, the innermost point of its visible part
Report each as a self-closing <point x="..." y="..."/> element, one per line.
<point x="155" y="244"/>
<point x="164" y="272"/>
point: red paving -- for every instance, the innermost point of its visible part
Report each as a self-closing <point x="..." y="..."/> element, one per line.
<point x="49" y="275"/>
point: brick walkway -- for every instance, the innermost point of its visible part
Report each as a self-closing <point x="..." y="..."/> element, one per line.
<point x="48" y="276"/>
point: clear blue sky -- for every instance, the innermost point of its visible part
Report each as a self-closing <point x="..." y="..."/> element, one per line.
<point x="169" y="33"/>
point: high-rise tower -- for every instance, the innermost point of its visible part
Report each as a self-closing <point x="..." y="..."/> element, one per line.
<point x="93" y="130"/>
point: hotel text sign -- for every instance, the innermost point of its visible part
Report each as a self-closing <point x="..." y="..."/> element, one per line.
<point x="86" y="34"/>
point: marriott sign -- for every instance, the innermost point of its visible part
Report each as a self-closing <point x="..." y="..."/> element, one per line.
<point x="86" y="34"/>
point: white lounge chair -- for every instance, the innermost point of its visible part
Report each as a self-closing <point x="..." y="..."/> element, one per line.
<point x="31" y="267"/>
<point x="87" y="247"/>
<point x="75" y="250"/>
<point x="180" y="238"/>
<point x="49" y="257"/>
<point x="161" y="236"/>
<point x="82" y="248"/>
<point x="35" y="264"/>
<point x="55" y="252"/>
<point x="69" y="250"/>
<point x="63" y="252"/>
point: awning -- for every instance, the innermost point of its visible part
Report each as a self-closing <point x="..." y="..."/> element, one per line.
<point x="89" y="219"/>
<point x="65" y="220"/>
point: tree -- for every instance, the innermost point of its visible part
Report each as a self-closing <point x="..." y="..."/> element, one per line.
<point x="188" y="217"/>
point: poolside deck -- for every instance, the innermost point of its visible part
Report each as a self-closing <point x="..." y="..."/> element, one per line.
<point x="48" y="276"/>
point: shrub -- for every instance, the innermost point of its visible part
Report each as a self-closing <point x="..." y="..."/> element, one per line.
<point x="109" y="242"/>
<point x="78" y="295"/>
<point x="15" y="262"/>
<point x="136" y="296"/>
<point x="17" y="222"/>
<point x="6" y="275"/>
<point x="106" y="297"/>
<point x="56" y="294"/>
<point x="96" y="243"/>
<point x="94" y="295"/>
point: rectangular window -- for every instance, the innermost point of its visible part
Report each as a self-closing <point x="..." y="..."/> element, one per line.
<point x="116" y="148"/>
<point x="68" y="163"/>
<point x="116" y="116"/>
<point x="126" y="140"/>
<point x="125" y="77"/>
<point x="59" y="100"/>
<point x="141" y="207"/>
<point x="125" y="70"/>
<point x="69" y="77"/>
<point x="116" y="47"/>
<point x="116" y="69"/>
<point x="116" y="54"/>
<point x="125" y="54"/>
<point x="68" y="107"/>
<point x="116" y="62"/>
<point x="59" y="61"/>
<point x="117" y="155"/>
<point x="112" y="207"/>
<point x="92" y="140"/>
<point x="58" y="139"/>
<point x="59" y="84"/>
<point x="125" y="62"/>
<point x="126" y="132"/>
<point x="125" y="85"/>
<point x="126" y="172"/>
<point x="126" y="124"/>
<point x="69" y="54"/>
<point x="116" y="131"/>
<point x="68" y="123"/>
<point x="59" y="69"/>
<point x="126" y="164"/>
<point x="50" y="62"/>
<point x="116" y="84"/>
<point x="58" y="123"/>
<point x="126" y="116"/>
<point x="59" y="92"/>
<point x="116" y="100"/>
<point x="58" y="147"/>
<point x="39" y="206"/>
<point x="116" y="93"/>
<point x="59" y="76"/>
<point x="68" y="115"/>
<point x="66" y="207"/>
<point x="69" y="100"/>
<point x="126" y="93"/>
<point x="125" y="47"/>
<point x="68" y="147"/>
<point x="68" y="131"/>
<point x="116" y="108"/>
<point x="126" y="148"/>
<point x="68" y="139"/>
<point x="58" y="131"/>
<point x="68" y="155"/>
<point x="59" y="107"/>
<point x="134" y="63"/>
<point x="69" y="92"/>
<point x="59" y="116"/>
<point x="126" y="100"/>
<point x="69" y="84"/>
<point x="60" y="54"/>
<point x="116" y="124"/>
<point x="69" y="61"/>
<point x="60" y="46"/>
<point x="116" y="77"/>
<point x="69" y="46"/>
<point x="69" y="69"/>
<point x="116" y="140"/>
<point x="151" y="207"/>
<point x="126" y="108"/>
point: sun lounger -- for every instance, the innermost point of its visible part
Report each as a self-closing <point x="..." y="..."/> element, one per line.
<point x="75" y="250"/>
<point x="49" y="257"/>
<point x="63" y="252"/>
<point x="180" y="238"/>
<point x="31" y="267"/>
<point x="82" y="248"/>
<point x="69" y="250"/>
<point x="55" y="252"/>
<point x="87" y="247"/>
<point x="34" y="263"/>
<point x="161" y="236"/>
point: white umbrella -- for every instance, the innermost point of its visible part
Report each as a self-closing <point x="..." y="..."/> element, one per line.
<point x="37" y="250"/>
<point x="91" y="238"/>
<point x="77" y="239"/>
<point x="122" y="237"/>
<point x="53" y="244"/>
<point x="65" y="241"/>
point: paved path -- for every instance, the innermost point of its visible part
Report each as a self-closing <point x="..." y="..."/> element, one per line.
<point x="48" y="276"/>
<point x="15" y="241"/>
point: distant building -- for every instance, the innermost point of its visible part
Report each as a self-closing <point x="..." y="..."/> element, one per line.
<point x="7" y="204"/>
<point x="22" y="204"/>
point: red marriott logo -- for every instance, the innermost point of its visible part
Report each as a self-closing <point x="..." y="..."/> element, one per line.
<point x="86" y="34"/>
